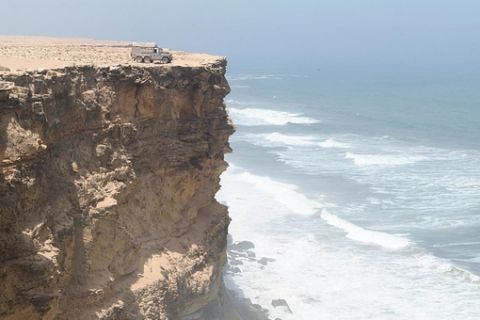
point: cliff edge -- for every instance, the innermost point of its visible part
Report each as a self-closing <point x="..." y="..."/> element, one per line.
<point x="108" y="174"/>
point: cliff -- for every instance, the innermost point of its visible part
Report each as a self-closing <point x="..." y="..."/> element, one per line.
<point x="108" y="176"/>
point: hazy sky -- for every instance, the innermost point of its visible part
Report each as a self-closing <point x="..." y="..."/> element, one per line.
<point x="271" y="32"/>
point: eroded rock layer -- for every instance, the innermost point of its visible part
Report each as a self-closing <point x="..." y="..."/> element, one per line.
<point x="107" y="184"/>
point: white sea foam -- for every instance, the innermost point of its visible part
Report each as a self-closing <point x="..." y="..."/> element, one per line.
<point x="233" y="101"/>
<point x="357" y="233"/>
<point x="255" y="117"/>
<point x="443" y="266"/>
<point x="330" y="143"/>
<point x="382" y="159"/>
<point x="292" y="140"/>
<point x="303" y="140"/>
<point x="283" y="193"/>
<point x="319" y="274"/>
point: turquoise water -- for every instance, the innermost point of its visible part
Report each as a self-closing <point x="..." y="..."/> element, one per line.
<point x="364" y="190"/>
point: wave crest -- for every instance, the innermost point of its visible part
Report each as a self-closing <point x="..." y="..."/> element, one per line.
<point x="303" y="140"/>
<point x="255" y="117"/>
<point x="357" y="233"/>
<point x="283" y="193"/>
<point x="382" y="159"/>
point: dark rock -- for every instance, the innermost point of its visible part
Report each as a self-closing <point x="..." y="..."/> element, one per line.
<point x="235" y="262"/>
<point x="235" y="270"/>
<point x="265" y="260"/>
<point x="281" y="303"/>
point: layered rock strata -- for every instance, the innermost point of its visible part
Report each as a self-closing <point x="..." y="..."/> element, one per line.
<point x="107" y="184"/>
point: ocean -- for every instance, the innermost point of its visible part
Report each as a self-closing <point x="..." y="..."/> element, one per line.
<point x="360" y="195"/>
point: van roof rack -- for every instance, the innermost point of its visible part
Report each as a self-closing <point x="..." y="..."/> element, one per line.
<point x="143" y="44"/>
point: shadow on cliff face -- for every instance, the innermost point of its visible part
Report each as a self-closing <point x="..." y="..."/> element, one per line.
<point x="25" y="270"/>
<point x="27" y="238"/>
<point x="232" y="305"/>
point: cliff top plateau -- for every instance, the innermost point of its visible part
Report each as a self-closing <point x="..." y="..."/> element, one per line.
<point x="21" y="53"/>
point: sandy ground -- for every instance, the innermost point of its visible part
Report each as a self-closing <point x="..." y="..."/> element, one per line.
<point x="21" y="53"/>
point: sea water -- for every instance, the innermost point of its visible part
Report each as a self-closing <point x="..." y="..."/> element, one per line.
<point x="364" y="195"/>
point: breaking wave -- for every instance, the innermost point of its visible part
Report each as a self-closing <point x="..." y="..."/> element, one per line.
<point x="283" y="193"/>
<point x="292" y="140"/>
<point x="297" y="140"/>
<point x="256" y="117"/>
<point x="357" y="233"/>
<point x="382" y="160"/>
<point x="330" y="143"/>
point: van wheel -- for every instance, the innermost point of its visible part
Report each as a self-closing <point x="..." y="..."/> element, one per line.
<point x="165" y="60"/>
<point x="138" y="59"/>
<point x="147" y="60"/>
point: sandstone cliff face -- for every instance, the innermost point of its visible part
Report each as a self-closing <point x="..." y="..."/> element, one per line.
<point x="107" y="184"/>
